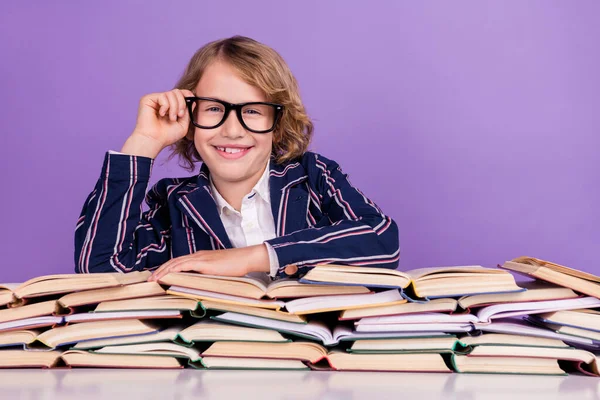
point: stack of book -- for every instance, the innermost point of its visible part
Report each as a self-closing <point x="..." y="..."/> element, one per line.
<point x="446" y="319"/>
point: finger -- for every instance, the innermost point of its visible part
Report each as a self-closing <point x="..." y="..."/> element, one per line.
<point x="181" y="102"/>
<point x="159" y="274"/>
<point x="163" y="101"/>
<point x="184" y="266"/>
<point x="173" y="106"/>
<point x="187" y="93"/>
<point x="168" y="266"/>
<point x="156" y="273"/>
<point x="159" y="271"/>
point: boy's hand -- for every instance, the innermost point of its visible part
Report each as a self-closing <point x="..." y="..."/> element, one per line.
<point x="162" y="120"/>
<point x="228" y="262"/>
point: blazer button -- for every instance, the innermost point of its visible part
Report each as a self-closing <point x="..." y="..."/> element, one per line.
<point x="291" y="269"/>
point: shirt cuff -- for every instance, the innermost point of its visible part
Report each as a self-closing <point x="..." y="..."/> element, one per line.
<point x="273" y="260"/>
<point x="118" y="166"/>
<point x="114" y="152"/>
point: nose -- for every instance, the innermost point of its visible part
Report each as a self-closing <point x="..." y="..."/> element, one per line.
<point x="232" y="128"/>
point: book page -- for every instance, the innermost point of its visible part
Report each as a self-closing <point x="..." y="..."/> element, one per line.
<point x="260" y="280"/>
<point x="418" y="273"/>
<point x="556" y="267"/>
<point x="362" y="270"/>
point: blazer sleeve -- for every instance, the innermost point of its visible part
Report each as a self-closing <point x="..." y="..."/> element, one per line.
<point x="357" y="233"/>
<point x="112" y="233"/>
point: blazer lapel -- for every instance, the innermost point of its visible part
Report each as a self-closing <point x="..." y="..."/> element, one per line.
<point x="196" y="201"/>
<point x="289" y="199"/>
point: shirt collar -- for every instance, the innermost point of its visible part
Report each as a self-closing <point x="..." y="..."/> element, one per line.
<point x="261" y="189"/>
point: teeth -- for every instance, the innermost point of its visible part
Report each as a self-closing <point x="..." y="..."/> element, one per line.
<point x="229" y="150"/>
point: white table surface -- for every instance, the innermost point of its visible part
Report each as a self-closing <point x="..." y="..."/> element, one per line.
<point x="83" y="384"/>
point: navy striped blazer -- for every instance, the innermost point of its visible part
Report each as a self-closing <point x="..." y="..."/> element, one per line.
<point x="319" y="216"/>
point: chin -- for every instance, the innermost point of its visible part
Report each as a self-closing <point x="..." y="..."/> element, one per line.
<point x="230" y="173"/>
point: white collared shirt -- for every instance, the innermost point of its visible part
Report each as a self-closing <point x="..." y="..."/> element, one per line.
<point x="254" y="223"/>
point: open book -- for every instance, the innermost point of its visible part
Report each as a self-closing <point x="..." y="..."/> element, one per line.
<point x="579" y="281"/>
<point x="142" y="308"/>
<point x="204" y="295"/>
<point x="440" y="344"/>
<point x="515" y="327"/>
<point x="202" y="331"/>
<point x="517" y="354"/>
<point x="583" y="319"/>
<point x="153" y="349"/>
<point x="165" y="302"/>
<point x="483" y="315"/>
<point x="65" y="283"/>
<point x="302" y="306"/>
<point x="245" y="363"/>
<point x="255" y="286"/>
<point x="422" y="283"/>
<point x="536" y="291"/>
<point x="256" y="311"/>
<point x="313" y="353"/>
<point x="6" y="293"/>
<point x="70" y="334"/>
<point x="313" y="330"/>
<point x="450" y="343"/>
<point x="78" y="358"/>
<point x="506" y="365"/>
<point x="568" y="325"/>
<point x="68" y="304"/>
<point x="446" y="305"/>
<point x="19" y="338"/>
<point x="502" y="339"/>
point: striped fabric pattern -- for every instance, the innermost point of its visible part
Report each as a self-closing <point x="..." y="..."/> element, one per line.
<point x="319" y="218"/>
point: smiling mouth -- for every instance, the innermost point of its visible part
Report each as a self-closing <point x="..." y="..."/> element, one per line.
<point x="232" y="153"/>
<point x="232" y="150"/>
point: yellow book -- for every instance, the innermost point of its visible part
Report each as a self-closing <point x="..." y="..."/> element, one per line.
<point x="579" y="281"/>
<point x="320" y="304"/>
<point x="67" y="304"/>
<point x="434" y="282"/>
<point x="256" y="286"/>
<point x="256" y="311"/>
<point x="445" y="305"/>
<point x="63" y="335"/>
<point x="66" y="283"/>
<point x="506" y="365"/>
<point x="313" y="353"/>
<point x="536" y="291"/>
<point x="204" y="295"/>
<point x="6" y="293"/>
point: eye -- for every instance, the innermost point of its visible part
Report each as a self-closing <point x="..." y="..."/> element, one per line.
<point x="213" y="109"/>
<point x="252" y="111"/>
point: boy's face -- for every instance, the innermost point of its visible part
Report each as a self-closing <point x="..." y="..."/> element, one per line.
<point x="221" y="81"/>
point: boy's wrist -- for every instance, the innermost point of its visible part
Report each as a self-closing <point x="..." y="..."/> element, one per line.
<point x="259" y="259"/>
<point x="140" y="145"/>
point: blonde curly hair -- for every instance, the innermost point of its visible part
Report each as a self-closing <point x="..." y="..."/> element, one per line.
<point x="262" y="67"/>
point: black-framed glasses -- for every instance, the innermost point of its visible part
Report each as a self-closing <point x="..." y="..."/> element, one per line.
<point x="257" y="117"/>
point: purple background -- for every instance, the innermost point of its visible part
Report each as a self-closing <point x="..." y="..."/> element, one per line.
<point x="473" y="124"/>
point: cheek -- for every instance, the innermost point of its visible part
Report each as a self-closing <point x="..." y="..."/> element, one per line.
<point x="201" y="139"/>
<point x="265" y="142"/>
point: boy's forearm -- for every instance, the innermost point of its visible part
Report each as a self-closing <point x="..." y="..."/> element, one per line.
<point x="139" y="145"/>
